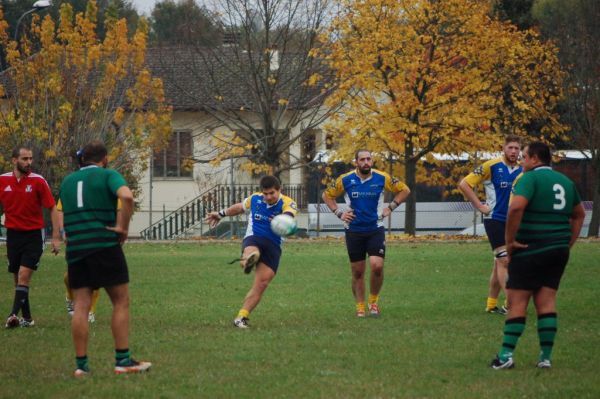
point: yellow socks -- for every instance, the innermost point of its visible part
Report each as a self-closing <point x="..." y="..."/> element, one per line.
<point x="491" y="303"/>
<point x="373" y="299"/>
<point x="243" y="313"/>
<point x="68" y="293"/>
<point x="95" y="297"/>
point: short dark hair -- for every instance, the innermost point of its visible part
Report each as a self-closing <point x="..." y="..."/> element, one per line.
<point x="17" y="150"/>
<point x="541" y="151"/>
<point x="93" y="152"/>
<point x="359" y="151"/>
<point x="269" y="182"/>
<point x="512" y="138"/>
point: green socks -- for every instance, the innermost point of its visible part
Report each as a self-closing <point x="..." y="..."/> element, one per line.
<point x="82" y="363"/>
<point x="513" y="328"/>
<point x="122" y="357"/>
<point x="547" y="326"/>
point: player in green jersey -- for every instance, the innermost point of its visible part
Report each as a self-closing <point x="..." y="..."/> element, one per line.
<point x="545" y="216"/>
<point x="95" y="232"/>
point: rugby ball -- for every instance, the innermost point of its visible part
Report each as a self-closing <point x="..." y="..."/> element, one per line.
<point x="283" y="225"/>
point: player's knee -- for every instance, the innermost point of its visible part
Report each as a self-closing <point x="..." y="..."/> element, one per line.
<point x="358" y="274"/>
<point x="501" y="254"/>
<point x="262" y="284"/>
<point x="24" y="277"/>
<point x="377" y="270"/>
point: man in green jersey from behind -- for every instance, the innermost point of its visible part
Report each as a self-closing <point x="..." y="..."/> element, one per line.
<point x="545" y="216"/>
<point x="95" y="231"/>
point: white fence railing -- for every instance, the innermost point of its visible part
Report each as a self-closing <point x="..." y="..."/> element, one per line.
<point x="431" y="218"/>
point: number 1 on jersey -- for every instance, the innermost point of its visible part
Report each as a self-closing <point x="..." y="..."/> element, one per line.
<point x="79" y="194"/>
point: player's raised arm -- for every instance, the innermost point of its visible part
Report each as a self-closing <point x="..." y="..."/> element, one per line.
<point x="213" y="218"/>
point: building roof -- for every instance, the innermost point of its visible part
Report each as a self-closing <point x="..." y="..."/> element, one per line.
<point x="223" y="78"/>
<point x="196" y="79"/>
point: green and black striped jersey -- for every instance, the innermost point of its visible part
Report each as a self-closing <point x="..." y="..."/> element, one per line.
<point x="89" y="204"/>
<point x="546" y="221"/>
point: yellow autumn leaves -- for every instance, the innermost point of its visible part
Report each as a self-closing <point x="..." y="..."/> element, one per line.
<point x="65" y="86"/>
<point x="423" y="76"/>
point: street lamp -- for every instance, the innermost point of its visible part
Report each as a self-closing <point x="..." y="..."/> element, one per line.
<point x="37" y="6"/>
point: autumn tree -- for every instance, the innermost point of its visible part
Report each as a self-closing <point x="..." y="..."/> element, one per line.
<point x="182" y="22"/>
<point x="518" y="12"/>
<point x="72" y="87"/>
<point x="112" y="8"/>
<point x="262" y="87"/>
<point x="573" y="25"/>
<point x="424" y="77"/>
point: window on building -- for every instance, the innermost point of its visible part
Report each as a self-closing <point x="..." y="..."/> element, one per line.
<point x="309" y="145"/>
<point x="170" y="162"/>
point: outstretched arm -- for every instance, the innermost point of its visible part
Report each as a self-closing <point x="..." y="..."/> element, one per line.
<point x="213" y="218"/>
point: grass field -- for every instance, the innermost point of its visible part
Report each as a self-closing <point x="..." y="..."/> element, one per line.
<point x="433" y="339"/>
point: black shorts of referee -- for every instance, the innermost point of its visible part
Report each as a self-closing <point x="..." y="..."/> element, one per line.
<point x="24" y="248"/>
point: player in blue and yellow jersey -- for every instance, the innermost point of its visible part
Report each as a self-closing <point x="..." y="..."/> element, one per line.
<point x="497" y="176"/>
<point x="260" y="247"/>
<point x="544" y="220"/>
<point x="363" y="191"/>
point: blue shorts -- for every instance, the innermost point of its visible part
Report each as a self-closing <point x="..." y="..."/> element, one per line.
<point x="360" y="244"/>
<point x="270" y="253"/>
<point x="495" y="232"/>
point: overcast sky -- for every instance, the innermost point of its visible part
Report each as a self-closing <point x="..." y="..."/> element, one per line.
<point x="144" y="6"/>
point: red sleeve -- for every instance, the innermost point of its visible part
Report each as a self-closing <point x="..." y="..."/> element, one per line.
<point x="46" y="197"/>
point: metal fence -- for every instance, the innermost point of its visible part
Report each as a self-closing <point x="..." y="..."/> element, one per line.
<point x="431" y="218"/>
<point x="190" y="216"/>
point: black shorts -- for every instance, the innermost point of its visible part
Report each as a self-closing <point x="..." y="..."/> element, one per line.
<point x="531" y="272"/>
<point x="270" y="252"/>
<point x="495" y="232"/>
<point x="360" y="244"/>
<point x="24" y="248"/>
<point x="104" y="268"/>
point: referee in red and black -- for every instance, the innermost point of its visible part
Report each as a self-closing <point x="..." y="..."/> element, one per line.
<point x="23" y="194"/>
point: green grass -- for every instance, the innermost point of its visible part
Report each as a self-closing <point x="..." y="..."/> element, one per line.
<point x="433" y="339"/>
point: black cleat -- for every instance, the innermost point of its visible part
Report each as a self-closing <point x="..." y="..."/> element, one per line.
<point x="498" y="364"/>
<point x="497" y="310"/>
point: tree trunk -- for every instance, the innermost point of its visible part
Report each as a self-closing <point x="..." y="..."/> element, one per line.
<point x="410" y="218"/>
<point x="595" y="222"/>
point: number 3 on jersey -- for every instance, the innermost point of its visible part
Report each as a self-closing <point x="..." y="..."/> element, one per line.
<point x="559" y="195"/>
<point x="80" y="194"/>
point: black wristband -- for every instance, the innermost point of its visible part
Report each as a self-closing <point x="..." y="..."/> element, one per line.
<point x="222" y="213"/>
